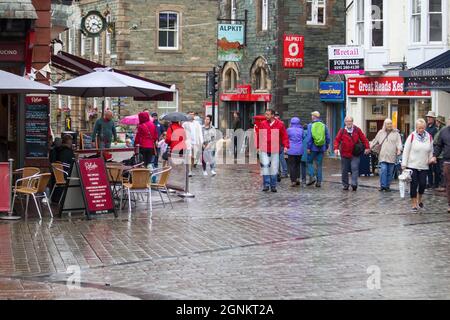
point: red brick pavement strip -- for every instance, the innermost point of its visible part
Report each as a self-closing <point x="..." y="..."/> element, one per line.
<point x="17" y="289"/>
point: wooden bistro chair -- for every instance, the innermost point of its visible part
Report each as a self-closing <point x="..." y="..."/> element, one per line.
<point x="140" y="184"/>
<point x="35" y="187"/>
<point x="60" y="172"/>
<point x="25" y="175"/>
<point x="161" y="183"/>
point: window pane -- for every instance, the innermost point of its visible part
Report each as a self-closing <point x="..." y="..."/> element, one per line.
<point x="417" y="8"/>
<point x="377" y="34"/>
<point x="416" y="25"/>
<point x="307" y="84"/>
<point x="321" y="15"/>
<point x="171" y="39"/>
<point x="377" y="9"/>
<point x="309" y="10"/>
<point x="163" y="23"/>
<point x="173" y="21"/>
<point x="360" y="33"/>
<point x="163" y="38"/>
<point x="435" y="5"/>
<point x="360" y="10"/>
<point x="435" y="27"/>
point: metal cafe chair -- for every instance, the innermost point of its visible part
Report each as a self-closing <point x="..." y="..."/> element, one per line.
<point x="35" y="187"/>
<point x="115" y="178"/>
<point x="25" y="175"/>
<point x="161" y="184"/>
<point x="60" y="176"/>
<point x="140" y="184"/>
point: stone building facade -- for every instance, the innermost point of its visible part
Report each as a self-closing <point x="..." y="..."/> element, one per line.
<point x="172" y="41"/>
<point x="294" y="92"/>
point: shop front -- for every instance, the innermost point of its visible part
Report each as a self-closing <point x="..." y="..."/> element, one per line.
<point x="373" y="99"/>
<point x="246" y="102"/>
<point x="15" y="38"/>
<point x="332" y="94"/>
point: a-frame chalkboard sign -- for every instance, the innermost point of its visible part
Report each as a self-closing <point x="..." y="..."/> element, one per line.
<point x="88" y="189"/>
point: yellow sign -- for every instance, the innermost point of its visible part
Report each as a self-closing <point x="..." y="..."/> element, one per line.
<point x="395" y="119"/>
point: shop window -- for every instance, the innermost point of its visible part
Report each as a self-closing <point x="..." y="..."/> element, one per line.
<point x="168" y="31"/>
<point x="316" y="12"/>
<point x="307" y="84"/>
<point x="260" y="79"/>
<point x="70" y="40"/>
<point x="260" y="75"/>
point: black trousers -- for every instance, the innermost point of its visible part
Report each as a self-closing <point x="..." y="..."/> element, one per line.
<point x="418" y="181"/>
<point x="147" y="154"/>
<point x="294" y="163"/>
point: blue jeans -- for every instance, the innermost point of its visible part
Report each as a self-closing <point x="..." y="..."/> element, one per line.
<point x="283" y="164"/>
<point x="315" y="156"/>
<point x="386" y="174"/>
<point x="270" y="163"/>
<point x="303" y="171"/>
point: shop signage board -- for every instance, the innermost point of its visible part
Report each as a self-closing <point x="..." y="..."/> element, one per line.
<point x="244" y="93"/>
<point x="86" y="141"/>
<point x="5" y="186"/>
<point x="208" y="110"/>
<point x="12" y="52"/>
<point x="36" y="127"/>
<point x="332" y="91"/>
<point x="293" y="53"/>
<point x="381" y="87"/>
<point x="88" y="189"/>
<point x="346" y="59"/>
<point x="230" y="42"/>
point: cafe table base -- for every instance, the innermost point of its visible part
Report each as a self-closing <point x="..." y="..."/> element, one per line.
<point x="9" y="217"/>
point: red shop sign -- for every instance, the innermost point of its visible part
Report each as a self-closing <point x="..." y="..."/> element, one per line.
<point x="95" y="186"/>
<point x="381" y="86"/>
<point x="5" y="195"/>
<point x="12" y="52"/>
<point x="293" y="54"/>
<point x="244" y="93"/>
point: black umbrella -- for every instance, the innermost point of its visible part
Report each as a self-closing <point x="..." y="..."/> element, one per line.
<point x="175" y="117"/>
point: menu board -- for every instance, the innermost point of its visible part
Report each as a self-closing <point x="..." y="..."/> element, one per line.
<point x="36" y="127"/>
<point x="86" y="141"/>
<point x="95" y="185"/>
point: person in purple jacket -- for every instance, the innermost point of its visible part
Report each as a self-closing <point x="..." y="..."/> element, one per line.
<point x="295" y="152"/>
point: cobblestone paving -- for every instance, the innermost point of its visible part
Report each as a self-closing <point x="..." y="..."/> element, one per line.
<point x="234" y="242"/>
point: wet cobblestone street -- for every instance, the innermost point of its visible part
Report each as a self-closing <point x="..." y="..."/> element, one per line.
<point x="233" y="241"/>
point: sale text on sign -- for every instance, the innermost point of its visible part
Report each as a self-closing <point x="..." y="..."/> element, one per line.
<point x="293" y="55"/>
<point x="346" y="59"/>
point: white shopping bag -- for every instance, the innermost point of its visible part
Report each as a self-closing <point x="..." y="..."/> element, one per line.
<point x="403" y="179"/>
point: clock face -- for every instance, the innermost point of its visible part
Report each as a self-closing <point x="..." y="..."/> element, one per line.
<point x="93" y="23"/>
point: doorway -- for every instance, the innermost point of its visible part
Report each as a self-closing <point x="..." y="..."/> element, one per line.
<point x="8" y="126"/>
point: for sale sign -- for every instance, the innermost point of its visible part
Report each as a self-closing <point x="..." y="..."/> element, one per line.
<point x="293" y="56"/>
<point x="346" y="59"/>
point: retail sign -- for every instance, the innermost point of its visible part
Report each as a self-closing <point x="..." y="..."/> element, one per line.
<point x="5" y="186"/>
<point x="332" y="91"/>
<point x="293" y="54"/>
<point x="230" y="42"/>
<point x="244" y="93"/>
<point x="381" y="87"/>
<point x="14" y="52"/>
<point x="346" y="59"/>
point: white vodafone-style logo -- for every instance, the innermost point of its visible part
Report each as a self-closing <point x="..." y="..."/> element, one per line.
<point x="293" y="49"/>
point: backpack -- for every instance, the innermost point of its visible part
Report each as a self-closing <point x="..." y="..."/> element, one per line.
<point x="318" y="133"/>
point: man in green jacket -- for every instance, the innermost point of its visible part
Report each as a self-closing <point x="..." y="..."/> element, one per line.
<point x="105" y="129"/>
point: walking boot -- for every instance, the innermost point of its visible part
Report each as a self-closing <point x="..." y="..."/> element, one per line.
<point x="311" y="181"/>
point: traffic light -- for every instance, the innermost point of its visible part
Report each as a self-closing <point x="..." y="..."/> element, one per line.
<point x="212" y="83"/>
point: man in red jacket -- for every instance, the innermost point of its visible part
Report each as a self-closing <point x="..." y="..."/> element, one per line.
<point x="271" y="136"/>
<point x="344" y="145"/>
